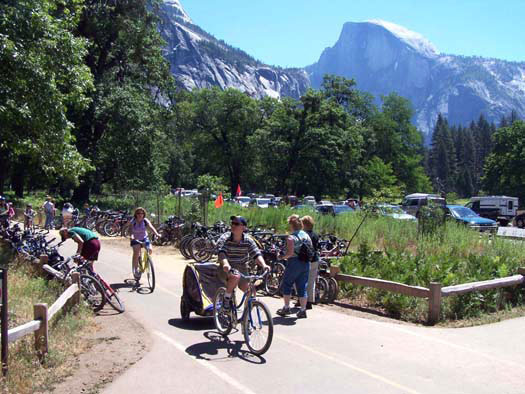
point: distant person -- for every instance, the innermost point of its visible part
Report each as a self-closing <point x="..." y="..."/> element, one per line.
<point x="4" y="212"/>
<point x="29" y="215"/>
<point x="297" y="271"/>
<point x="49" y="211"/>
<point x="67" y="214"/>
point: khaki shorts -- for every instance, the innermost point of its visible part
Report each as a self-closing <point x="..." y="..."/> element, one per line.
<point x="223" y="276"/>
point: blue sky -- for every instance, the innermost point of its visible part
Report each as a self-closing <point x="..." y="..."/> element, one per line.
<point x="293" y="33"/>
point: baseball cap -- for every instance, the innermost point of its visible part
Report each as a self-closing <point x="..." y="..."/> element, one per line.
<point x="240" y="219"/>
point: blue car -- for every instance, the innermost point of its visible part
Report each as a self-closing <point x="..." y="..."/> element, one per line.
<point x="470" y="218"/>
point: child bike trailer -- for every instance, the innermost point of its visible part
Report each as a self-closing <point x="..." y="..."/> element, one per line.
<point x="199" y="285"/>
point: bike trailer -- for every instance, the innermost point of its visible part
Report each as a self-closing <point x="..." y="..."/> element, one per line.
<point x="199" y="285"/>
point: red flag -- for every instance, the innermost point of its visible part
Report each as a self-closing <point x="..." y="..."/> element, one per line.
<point x="239" y="193"/>
<point x="219" y="201"/>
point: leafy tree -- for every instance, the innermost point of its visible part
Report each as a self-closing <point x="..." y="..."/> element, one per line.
<point x="41" y="75"/>
<point x="504" y="166"/>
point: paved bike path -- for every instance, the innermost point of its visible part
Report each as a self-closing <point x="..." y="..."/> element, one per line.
<point x="328" y="352"/>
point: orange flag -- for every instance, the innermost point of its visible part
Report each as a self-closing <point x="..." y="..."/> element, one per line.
<point x="219" y="201"/>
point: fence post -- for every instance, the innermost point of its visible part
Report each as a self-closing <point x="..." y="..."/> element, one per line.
<point x="75" y="276"/>
<point x="41" y="335"/>
<point x="434" y="303"/>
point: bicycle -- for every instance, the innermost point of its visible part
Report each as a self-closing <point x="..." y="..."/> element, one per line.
<point x="146" y="266"/>
<point x="255" y="318"/>
<point x="111" y="295"/>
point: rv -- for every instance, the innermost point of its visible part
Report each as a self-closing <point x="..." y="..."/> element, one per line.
<point x="499" y="208"/>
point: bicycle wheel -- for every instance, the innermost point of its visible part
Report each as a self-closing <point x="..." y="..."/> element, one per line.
<point x="93" y="292"/>
<point x="199" y="248"/>
<point x="272" y="282"/>
<point x="321" y="290"/>
<point x="112" y="297"/>
<point x="257" y="328"/>
<point x="333" y="290"/>
<point x="184" y="243"/>
<point x="111" y="228"/>
<point x="222" y="319"/>
<point x="150" y="274"/>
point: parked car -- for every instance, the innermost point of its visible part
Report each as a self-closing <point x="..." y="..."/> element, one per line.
<point x="342" y="209"/>
<point x="500" y="208"/>
<point x="413" y="202"/>
<point x="325" y="209"/>
<point x="309" y="200"/>
<point x="260" y="202"/>
<point x="304" y="207"/>
<point x="470" y="218"/>
<point x="393" y="211"/>
<point x="243" y="201"/>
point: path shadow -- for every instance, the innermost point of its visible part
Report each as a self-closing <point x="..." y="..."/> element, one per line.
<point x="121" y="285"/>
<point x="285" y="321"/>
<point x="215" y="343"/>
<point x="194" y="324"/>
<point x="363" y="309"/>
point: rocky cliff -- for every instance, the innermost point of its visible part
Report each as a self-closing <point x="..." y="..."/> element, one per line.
<point x="384" y="58"/>
<point x="199" y="60"/>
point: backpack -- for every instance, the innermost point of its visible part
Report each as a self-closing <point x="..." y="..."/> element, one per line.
<point x="306" y="252"/>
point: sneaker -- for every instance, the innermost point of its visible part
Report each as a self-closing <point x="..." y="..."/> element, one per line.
<point x="284" y="311"/>
<point x="301" y="314"/>
<point x="297" y="304"/>
<point x="308" y="305"/>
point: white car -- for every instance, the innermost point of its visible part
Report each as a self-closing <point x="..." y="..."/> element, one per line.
<point x="243" y="201"/>
<point x="394" y="211"/>
<point x="262" y="202"/>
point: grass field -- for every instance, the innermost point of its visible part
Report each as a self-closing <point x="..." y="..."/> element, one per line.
<point x="26" y="373"/>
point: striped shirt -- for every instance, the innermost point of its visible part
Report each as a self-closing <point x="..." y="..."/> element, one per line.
<point x="239" y="254"/>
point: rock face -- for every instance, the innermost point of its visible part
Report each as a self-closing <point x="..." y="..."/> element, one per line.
<point x="384" y="58"/>
<point x="199" y="60"/>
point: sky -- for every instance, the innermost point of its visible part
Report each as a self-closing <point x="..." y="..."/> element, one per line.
<point x="293" y="33"/>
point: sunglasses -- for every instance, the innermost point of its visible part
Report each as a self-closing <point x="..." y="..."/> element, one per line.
<point x="236" y="224"/>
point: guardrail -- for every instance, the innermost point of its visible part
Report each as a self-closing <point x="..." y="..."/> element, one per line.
<point x="435" y="292"/>
<point x="43" y="315"/>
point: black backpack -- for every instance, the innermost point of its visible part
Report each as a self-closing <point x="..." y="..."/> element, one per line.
<point x="306" y="252"/>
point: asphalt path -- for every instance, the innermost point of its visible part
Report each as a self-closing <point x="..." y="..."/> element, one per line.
<point x="328" y="352"/>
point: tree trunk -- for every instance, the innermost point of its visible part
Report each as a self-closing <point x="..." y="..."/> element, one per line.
<point x="18" y="177"/>
<point x="4" y="168"/>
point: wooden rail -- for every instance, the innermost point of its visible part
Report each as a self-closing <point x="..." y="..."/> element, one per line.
<point x="42" y="316"/>
<point x="414" y="291"/>
<point x="435" y="292"/>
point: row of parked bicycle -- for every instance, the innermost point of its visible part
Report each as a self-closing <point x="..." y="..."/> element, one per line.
<point x="34" y="244"/>
<point x="201" y="246"/>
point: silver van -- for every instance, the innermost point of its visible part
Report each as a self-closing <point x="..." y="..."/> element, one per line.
<point x="413" y="202"/>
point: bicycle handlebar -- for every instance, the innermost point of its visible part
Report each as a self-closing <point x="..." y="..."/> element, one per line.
<point x="250" y="277"/>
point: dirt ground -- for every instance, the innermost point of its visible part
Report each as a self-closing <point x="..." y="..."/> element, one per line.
<point x="118" y="343"/>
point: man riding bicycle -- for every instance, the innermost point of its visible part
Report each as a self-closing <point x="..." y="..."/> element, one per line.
<point x="236" y="251"/>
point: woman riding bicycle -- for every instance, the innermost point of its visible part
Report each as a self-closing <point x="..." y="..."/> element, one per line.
<point x="139" y="235"/>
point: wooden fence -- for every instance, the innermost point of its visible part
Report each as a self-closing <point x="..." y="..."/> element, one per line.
<point x="435" y="292"/>
<point x="43" y="315"/>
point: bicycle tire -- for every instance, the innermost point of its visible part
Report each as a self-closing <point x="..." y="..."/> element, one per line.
<point x="90" y="287"/>
<point x="199" y="250"/>
<point x="184" y="244"/>
<point x="184" y="310"/>
<point x="111" y="228"/>
<point x="150" y="274"/>
<point x="253" y="324"/>
<point x="321" y="290"/>
<point x="273" y="281"/>
<point x="112" y="297"/>
<point x="223" y="320"/>
<point x="333" y="288"/>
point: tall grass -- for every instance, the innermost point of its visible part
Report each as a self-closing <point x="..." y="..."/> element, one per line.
<point x="26" y="373"/>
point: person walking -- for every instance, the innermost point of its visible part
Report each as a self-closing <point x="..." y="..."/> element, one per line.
<point x="296" y="271"/>
<point x="49" y="211"/>
<point x="308" y="226"/>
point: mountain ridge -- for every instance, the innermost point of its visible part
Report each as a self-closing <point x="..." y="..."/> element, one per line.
<point x="381" y="56"/>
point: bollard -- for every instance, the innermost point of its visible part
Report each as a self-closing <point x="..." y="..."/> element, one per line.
<point x="434" y="303"/>
<point x="75" y="276"/>
<point x="41" y="335"/>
